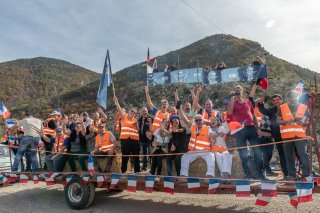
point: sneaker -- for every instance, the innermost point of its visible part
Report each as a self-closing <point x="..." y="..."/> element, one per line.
<point x="144" y="169"/>
<point x="263" y="177"/>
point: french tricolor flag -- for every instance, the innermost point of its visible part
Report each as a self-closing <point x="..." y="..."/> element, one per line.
<point x="12" y="178"/>
<point x="149" y="184"/>
<point x="23" y="178"/>
<point x="50" y="178"/>
<point x="193" y="185"/>
<point x="35" y="179"/>
<point x="4" y="111"/>
<point x="299" y="87"/>
<point x="269" y="188"/>
<point x="262" y="200"/>
<point x="85" y="179"/>
<point x="293" y="199"/>
<point x="114" y="180"/>
<point x="68" y="178"/>
<point x="101" y="182"/>
<point x="243" y="188"/>
<point x="132" y="183"/>
<point x="90" y="164"/>
<point x="213" y="185"/>
<point x="168" y="183"/>
<point x="304" y="192"/>
<point x="5" y="181"/>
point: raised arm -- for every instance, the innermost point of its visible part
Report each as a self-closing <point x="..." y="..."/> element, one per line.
<point x="196" y="105"/>
<point x="184" y="118"/>
<point x="104" y="116"/>
<point x="253" y="91"/>
<point x="176" y="95"/>
<point x="149" y="102"/>
<point x="231" y="105"/>
<point x="116" y="102"/>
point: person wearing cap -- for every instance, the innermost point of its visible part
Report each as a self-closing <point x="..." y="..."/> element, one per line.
<point x="176" y="145"/>
<point x="129" y="137"/>
<point x="224" y="159"/>
<point x="105" y="145"/>
<point x="55" y="161"/>
<point x="201" y="137"/>
<point x="159" y="114"/>
<point x="293" y="118"/>
<point x="242" y="111"/>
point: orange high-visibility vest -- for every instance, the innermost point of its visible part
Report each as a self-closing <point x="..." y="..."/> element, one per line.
<point x="292" y="130"/>
<point x="128" y="129"/>
<point x="96" y="124"/>
<point x="206" y="117"/>
<point x="200" y="142"/>
<point x="158" y="119"/>
<point x="117" y="121"/>
<point x="47" y="130"/>
<point x="258" y="115"/>
<point x="105" y="144"/>
<point x="58" y="143"/>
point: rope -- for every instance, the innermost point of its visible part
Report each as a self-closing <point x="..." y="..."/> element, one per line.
<point x="174" y="154"/>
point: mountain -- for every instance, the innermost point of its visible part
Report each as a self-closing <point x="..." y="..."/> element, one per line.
<point x="30" y="84"/>
<point x="44" y="84"/>
<point x="129" y="82"/>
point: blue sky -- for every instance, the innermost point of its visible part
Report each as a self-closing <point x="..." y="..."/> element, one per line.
<point x="80" y="31"/>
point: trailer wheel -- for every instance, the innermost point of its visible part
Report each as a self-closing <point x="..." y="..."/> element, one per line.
<point x="78" y="196"/>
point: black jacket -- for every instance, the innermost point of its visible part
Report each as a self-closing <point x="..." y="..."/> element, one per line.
<point x="146" y="127"/>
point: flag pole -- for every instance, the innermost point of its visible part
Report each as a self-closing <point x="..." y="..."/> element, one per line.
<point x="114" y="92"/>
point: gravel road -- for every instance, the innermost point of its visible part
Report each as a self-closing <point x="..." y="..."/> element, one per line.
<point x="40" y="198"/>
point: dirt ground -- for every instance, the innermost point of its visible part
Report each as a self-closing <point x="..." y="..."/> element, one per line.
<point x="40" y="198"/>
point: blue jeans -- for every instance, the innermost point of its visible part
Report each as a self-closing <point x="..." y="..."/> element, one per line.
<point x="249" y="133"/>
<point x="266" y="152"/>
<point x="25" y="143"/>
<point x="146" y="149"/>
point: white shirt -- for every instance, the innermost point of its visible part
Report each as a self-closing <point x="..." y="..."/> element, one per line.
<point x="161" y="141"/>
<point x="30" y="125"/>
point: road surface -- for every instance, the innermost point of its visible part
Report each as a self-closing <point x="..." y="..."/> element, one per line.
<point x="50" y="199"/>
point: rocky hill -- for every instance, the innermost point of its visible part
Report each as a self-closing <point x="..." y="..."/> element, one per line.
<point x="30" y="84"/>
<point x="42" y="84"/>
<point x="129" y="82"/>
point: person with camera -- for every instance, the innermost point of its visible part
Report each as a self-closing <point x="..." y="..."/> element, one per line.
<point x="160" y="146"/>
<point x="241" y="111"/>
<point x="218" y="70"/>
<point x="293" y="118"/>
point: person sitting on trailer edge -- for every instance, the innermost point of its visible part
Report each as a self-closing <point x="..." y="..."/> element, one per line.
<point x="105" y="145"/>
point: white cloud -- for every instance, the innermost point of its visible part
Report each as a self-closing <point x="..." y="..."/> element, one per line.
<point x="80" y="31"/>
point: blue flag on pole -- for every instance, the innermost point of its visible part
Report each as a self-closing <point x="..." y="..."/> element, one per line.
<point x="106" y="80"/>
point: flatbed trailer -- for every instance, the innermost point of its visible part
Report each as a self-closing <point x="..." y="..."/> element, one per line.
<point x="80" y="194"/>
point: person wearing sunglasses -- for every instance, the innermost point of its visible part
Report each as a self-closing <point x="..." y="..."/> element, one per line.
<point x="199" y="145"/>
<point x="129" y="136"/>
<point x="293" y="118"/>
<point x="76" y="144"/>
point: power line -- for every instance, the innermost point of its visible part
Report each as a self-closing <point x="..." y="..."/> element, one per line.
<point x="216" y="26"/>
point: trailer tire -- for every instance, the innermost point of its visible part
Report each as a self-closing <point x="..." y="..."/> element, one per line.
<point x="78" y="196"/>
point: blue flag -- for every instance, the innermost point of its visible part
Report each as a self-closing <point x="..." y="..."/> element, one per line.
<point x="106" y="80"/>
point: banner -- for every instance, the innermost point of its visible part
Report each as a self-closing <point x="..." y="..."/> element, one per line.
<point x="198" y="75"/>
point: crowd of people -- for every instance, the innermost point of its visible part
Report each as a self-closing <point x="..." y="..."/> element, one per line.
<point x="176" y="135"/>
